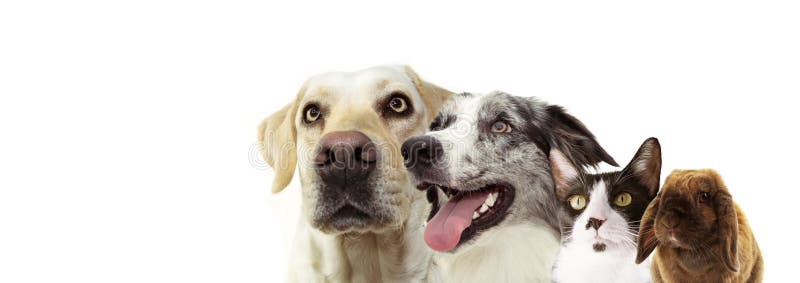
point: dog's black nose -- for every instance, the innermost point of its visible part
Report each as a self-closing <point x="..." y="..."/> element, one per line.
<point x="345" y="157"/>
<point x="594" y="223"/>
<point x="422" y="151"/>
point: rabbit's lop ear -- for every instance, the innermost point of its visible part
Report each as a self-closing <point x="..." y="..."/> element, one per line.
<point x="277" y="142"/>
<point x="728" y="224"/>
<point x="647" y="240"/>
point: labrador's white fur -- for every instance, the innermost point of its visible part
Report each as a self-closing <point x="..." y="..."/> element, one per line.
<point x="392" y="252"/>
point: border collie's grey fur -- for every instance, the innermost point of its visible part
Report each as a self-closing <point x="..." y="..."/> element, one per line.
<point x="519" y="239"/>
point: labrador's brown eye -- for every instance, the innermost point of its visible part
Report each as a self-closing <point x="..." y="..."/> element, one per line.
<point x="501" y="127"/>
<point x="398" y="104"/>
<point x="312" y="114"/>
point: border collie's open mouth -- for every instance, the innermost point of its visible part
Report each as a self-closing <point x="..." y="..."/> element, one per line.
<point x="465" y="214"/>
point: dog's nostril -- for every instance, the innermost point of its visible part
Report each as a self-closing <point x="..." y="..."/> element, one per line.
<point x="419" y="151"/>
<point x="339" y="154"/>
<point x="323" y="157"/>
<point x="345" y="150"/>
<point x="423" y="152"/>
<point x="368" y="153"/>
<point x="357" y="153"/>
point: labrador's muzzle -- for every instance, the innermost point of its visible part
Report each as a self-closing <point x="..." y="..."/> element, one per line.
<point x="345" y="160"/>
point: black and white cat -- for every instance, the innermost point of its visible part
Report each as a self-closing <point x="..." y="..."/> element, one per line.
<point x="602" y="217"/>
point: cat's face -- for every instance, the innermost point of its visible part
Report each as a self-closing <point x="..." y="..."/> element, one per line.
<point x="604" y="210"/>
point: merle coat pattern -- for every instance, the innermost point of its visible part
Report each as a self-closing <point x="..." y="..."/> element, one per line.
<point x="498" y="144"/>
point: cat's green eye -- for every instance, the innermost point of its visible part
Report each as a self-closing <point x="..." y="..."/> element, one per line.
<point x="623" y="199"/>
<point x="577" y="202"/>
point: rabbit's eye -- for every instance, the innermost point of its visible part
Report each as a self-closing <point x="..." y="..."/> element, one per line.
<point x="577" y="202"/>
<point x="703" y="197"/>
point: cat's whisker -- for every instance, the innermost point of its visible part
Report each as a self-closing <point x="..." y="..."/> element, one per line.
<point x="632" y="233"/>
<point x="617" y="234"/>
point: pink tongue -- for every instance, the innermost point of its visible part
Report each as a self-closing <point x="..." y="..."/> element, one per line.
<point x="444" y="231"/>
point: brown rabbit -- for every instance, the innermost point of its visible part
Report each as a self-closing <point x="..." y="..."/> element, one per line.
<point x="700" y="233"/>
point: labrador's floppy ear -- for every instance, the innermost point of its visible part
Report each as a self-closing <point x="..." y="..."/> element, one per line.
<point x="432" y="95"/>
<point x="728" y="223"/>
<point x="647" y="241"/>
<point x="277" y="139"/>
<point x="573" y="139"/>
<point x="646" y="165"/>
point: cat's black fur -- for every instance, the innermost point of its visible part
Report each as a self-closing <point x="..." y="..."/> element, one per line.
<point x="642" y="186"/>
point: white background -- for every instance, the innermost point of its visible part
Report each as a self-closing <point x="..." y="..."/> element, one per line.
<point x="126" y="126"/>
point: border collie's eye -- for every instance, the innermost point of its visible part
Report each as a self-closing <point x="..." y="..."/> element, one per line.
<point x="703" y="197"/>
<point x="623" y="199"/>
<point x="312" y="114"/>
<point x="577" y="202"/>
<point x="500" y="127"/>
<point x="398" y="104"/>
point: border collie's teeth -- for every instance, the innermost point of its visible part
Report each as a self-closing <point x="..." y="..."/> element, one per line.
<point x="491" y="199"/>
<point x="484" y="208"/>
<point x="475" y="215"/>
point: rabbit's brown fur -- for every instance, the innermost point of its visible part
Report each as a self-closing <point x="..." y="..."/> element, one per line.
<point x="698" y="233"/>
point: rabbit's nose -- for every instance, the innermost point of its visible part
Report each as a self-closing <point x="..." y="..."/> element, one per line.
<point x="670" y="222"/>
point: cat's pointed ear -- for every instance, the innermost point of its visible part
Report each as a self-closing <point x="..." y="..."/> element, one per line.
<point x="564" y="172"/>
<point x="646" y="165"/>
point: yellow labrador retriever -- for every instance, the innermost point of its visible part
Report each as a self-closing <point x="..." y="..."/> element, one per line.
<point x="361" y="215"/>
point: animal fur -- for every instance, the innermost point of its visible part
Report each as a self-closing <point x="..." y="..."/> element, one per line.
<point x="698" y="233"/>
<point x="386" y="245"/>
<point x="519" y="240"/>
<point x="599" y="239"/>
